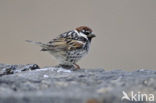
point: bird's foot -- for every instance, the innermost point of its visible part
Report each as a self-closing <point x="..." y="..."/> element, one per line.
<point x="76" y="66"/>
<point x="65" y="66"/>
<point x="71" y="67"/>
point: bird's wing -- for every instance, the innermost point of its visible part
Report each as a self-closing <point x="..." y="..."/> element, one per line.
<point x="65" y="41"/>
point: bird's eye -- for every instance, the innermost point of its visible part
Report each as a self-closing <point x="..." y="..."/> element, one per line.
<point x="87" y="33"/>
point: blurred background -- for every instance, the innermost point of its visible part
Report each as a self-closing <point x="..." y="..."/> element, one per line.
<point x="125" y="29"/>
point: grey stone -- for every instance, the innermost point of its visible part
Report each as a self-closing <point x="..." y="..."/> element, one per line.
<point x="58" y="85"/>
<point x="6" y="69"/>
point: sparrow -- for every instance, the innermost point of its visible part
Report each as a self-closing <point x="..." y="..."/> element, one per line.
<point x="69" y="47"/>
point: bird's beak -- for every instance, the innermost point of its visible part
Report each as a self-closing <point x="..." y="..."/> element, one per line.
<point x="91" y="35"/>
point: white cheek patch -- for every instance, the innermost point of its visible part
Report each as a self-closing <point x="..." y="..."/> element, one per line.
<point x="81" y="34"/>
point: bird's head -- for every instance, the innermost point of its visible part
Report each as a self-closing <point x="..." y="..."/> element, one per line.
<point x="86" y="31"/>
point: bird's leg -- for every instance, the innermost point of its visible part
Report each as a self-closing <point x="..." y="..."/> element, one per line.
<point x="76" y="66"/>
<point x="65" y="66"/>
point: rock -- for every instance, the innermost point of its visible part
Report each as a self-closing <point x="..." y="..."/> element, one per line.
<point x="6" y="69"/>
<point x="29" y="84"/>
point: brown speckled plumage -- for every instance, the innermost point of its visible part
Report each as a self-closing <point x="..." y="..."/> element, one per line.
<point x="70" y="46"/>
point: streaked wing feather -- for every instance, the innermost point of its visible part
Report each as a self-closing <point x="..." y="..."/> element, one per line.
<point x="65" y="42"/>
<point x="75" y="44"/>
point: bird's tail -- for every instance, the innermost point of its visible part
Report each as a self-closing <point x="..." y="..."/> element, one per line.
<point x="37" y="43"/>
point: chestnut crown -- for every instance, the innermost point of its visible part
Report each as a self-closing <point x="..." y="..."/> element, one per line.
<point x="86" y="30"/>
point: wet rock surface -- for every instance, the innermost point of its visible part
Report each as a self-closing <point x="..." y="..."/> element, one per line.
<point x="30" y="84"/>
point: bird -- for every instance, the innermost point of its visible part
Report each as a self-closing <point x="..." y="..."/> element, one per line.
<point x="69" y="47"/>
